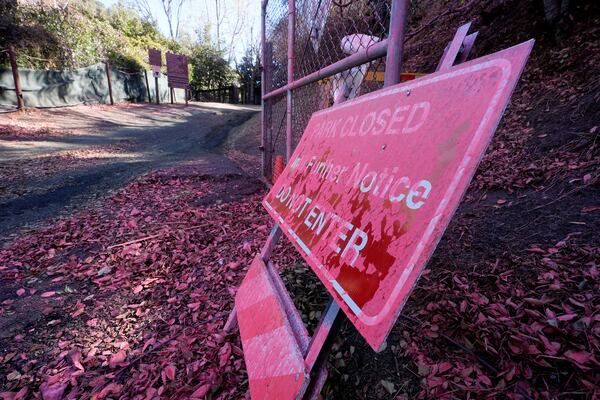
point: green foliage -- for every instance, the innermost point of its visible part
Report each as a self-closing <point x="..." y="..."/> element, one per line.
<point x="79" y="35"/>
<point x="85" y="33"/>
<point x="248" y="70"/>
<point x="210" y="70"/>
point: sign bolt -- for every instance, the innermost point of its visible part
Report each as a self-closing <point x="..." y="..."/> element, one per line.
<point x="408" y="92"/>
<point x="383" y="146"/>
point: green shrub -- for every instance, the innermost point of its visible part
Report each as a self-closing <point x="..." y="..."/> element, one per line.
<point x="79" y="35"/>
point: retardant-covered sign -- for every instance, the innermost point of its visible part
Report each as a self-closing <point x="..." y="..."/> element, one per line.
<point x="274" y="360"/>
<point x="177" y="71"/>
<point x="155" y="57"/>
<point x="374" y="182"/>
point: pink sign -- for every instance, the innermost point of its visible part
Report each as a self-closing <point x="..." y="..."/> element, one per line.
<point x="374" y="182"/>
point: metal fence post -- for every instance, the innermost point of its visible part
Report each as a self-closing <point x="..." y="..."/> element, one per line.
<point x="393" y="60"/>
<point x="110" y="93"/>
<point x="268" y="144"/>
<point x="16" y="77"/>
<point x="156" y="89"/>
<point x="290" y="71"/>
<point x="147" y="85"/>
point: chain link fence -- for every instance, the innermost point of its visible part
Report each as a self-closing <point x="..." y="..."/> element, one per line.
<point x="326" y="31"/>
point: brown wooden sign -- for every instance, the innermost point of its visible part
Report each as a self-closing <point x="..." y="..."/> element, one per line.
<point x="177" y="71"/>
<point x="155" y="57"/>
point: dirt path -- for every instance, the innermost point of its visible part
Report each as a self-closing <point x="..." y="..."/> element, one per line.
<point x="53" y="161"/>
<point x="122" y="182"/>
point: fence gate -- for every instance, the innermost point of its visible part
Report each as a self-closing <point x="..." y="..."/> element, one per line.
<point x="372" y="183"/>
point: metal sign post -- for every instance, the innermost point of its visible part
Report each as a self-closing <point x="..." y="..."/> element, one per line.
<point x="156" y="74"/>
<point x="155" y="61"/>
<point x="365" y="198"/>
<point x="147" y="85"/>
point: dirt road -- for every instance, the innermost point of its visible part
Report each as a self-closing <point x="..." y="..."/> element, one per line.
<point x="52" y="161"/>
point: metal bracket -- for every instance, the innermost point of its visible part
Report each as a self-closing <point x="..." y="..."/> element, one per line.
<point x="320" y="347"/>
<point x="457" y="51"/>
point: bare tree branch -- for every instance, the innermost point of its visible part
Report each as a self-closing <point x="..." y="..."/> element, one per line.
<point x="179" y="7"/>
<point x="236" y="29"/>
<point x="143" y="7"/>
<point x="171" y="8"/>
<point x="220" y="18"/>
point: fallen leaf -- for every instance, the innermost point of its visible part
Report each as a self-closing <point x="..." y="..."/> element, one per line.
<point x="111" y="388"/>
<point x="80" y="309"/>
<point x="389" y="386"/>
<point x="13" y="376"/>
<point x="52" y="392"/>
<point x="170" y="372"/>
<point x="224" y="354"/>
<point x="201" y="392"/>
<point x="580" y="357"/>
<point x="117" y="358"/>
<point x="149" y="342"/>
<point x="75" y="357"/>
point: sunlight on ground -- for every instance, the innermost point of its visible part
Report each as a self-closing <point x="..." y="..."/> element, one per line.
<point x="86" y="119"/>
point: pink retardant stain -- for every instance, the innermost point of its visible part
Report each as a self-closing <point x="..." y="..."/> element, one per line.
<point x="274" y="361"/>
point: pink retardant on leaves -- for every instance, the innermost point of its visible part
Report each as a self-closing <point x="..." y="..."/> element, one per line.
<point x="52" y="392"/>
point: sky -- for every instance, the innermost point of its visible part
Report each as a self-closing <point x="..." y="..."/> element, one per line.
<point x="199" y="13"/>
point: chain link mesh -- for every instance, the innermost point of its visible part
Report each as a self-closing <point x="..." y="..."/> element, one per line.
<point x="326" y="31"/>
<point x="276" y="30"/>
<point x="279" y="125"/>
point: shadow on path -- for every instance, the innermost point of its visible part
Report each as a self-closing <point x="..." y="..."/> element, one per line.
<point x="197" y="136"/>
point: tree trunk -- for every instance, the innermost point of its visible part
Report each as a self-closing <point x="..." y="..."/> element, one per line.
<point x="554" y="10"/>
<point x="554" y="13"/>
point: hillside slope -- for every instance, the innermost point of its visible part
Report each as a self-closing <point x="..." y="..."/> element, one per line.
<point x="80" y="34"/>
